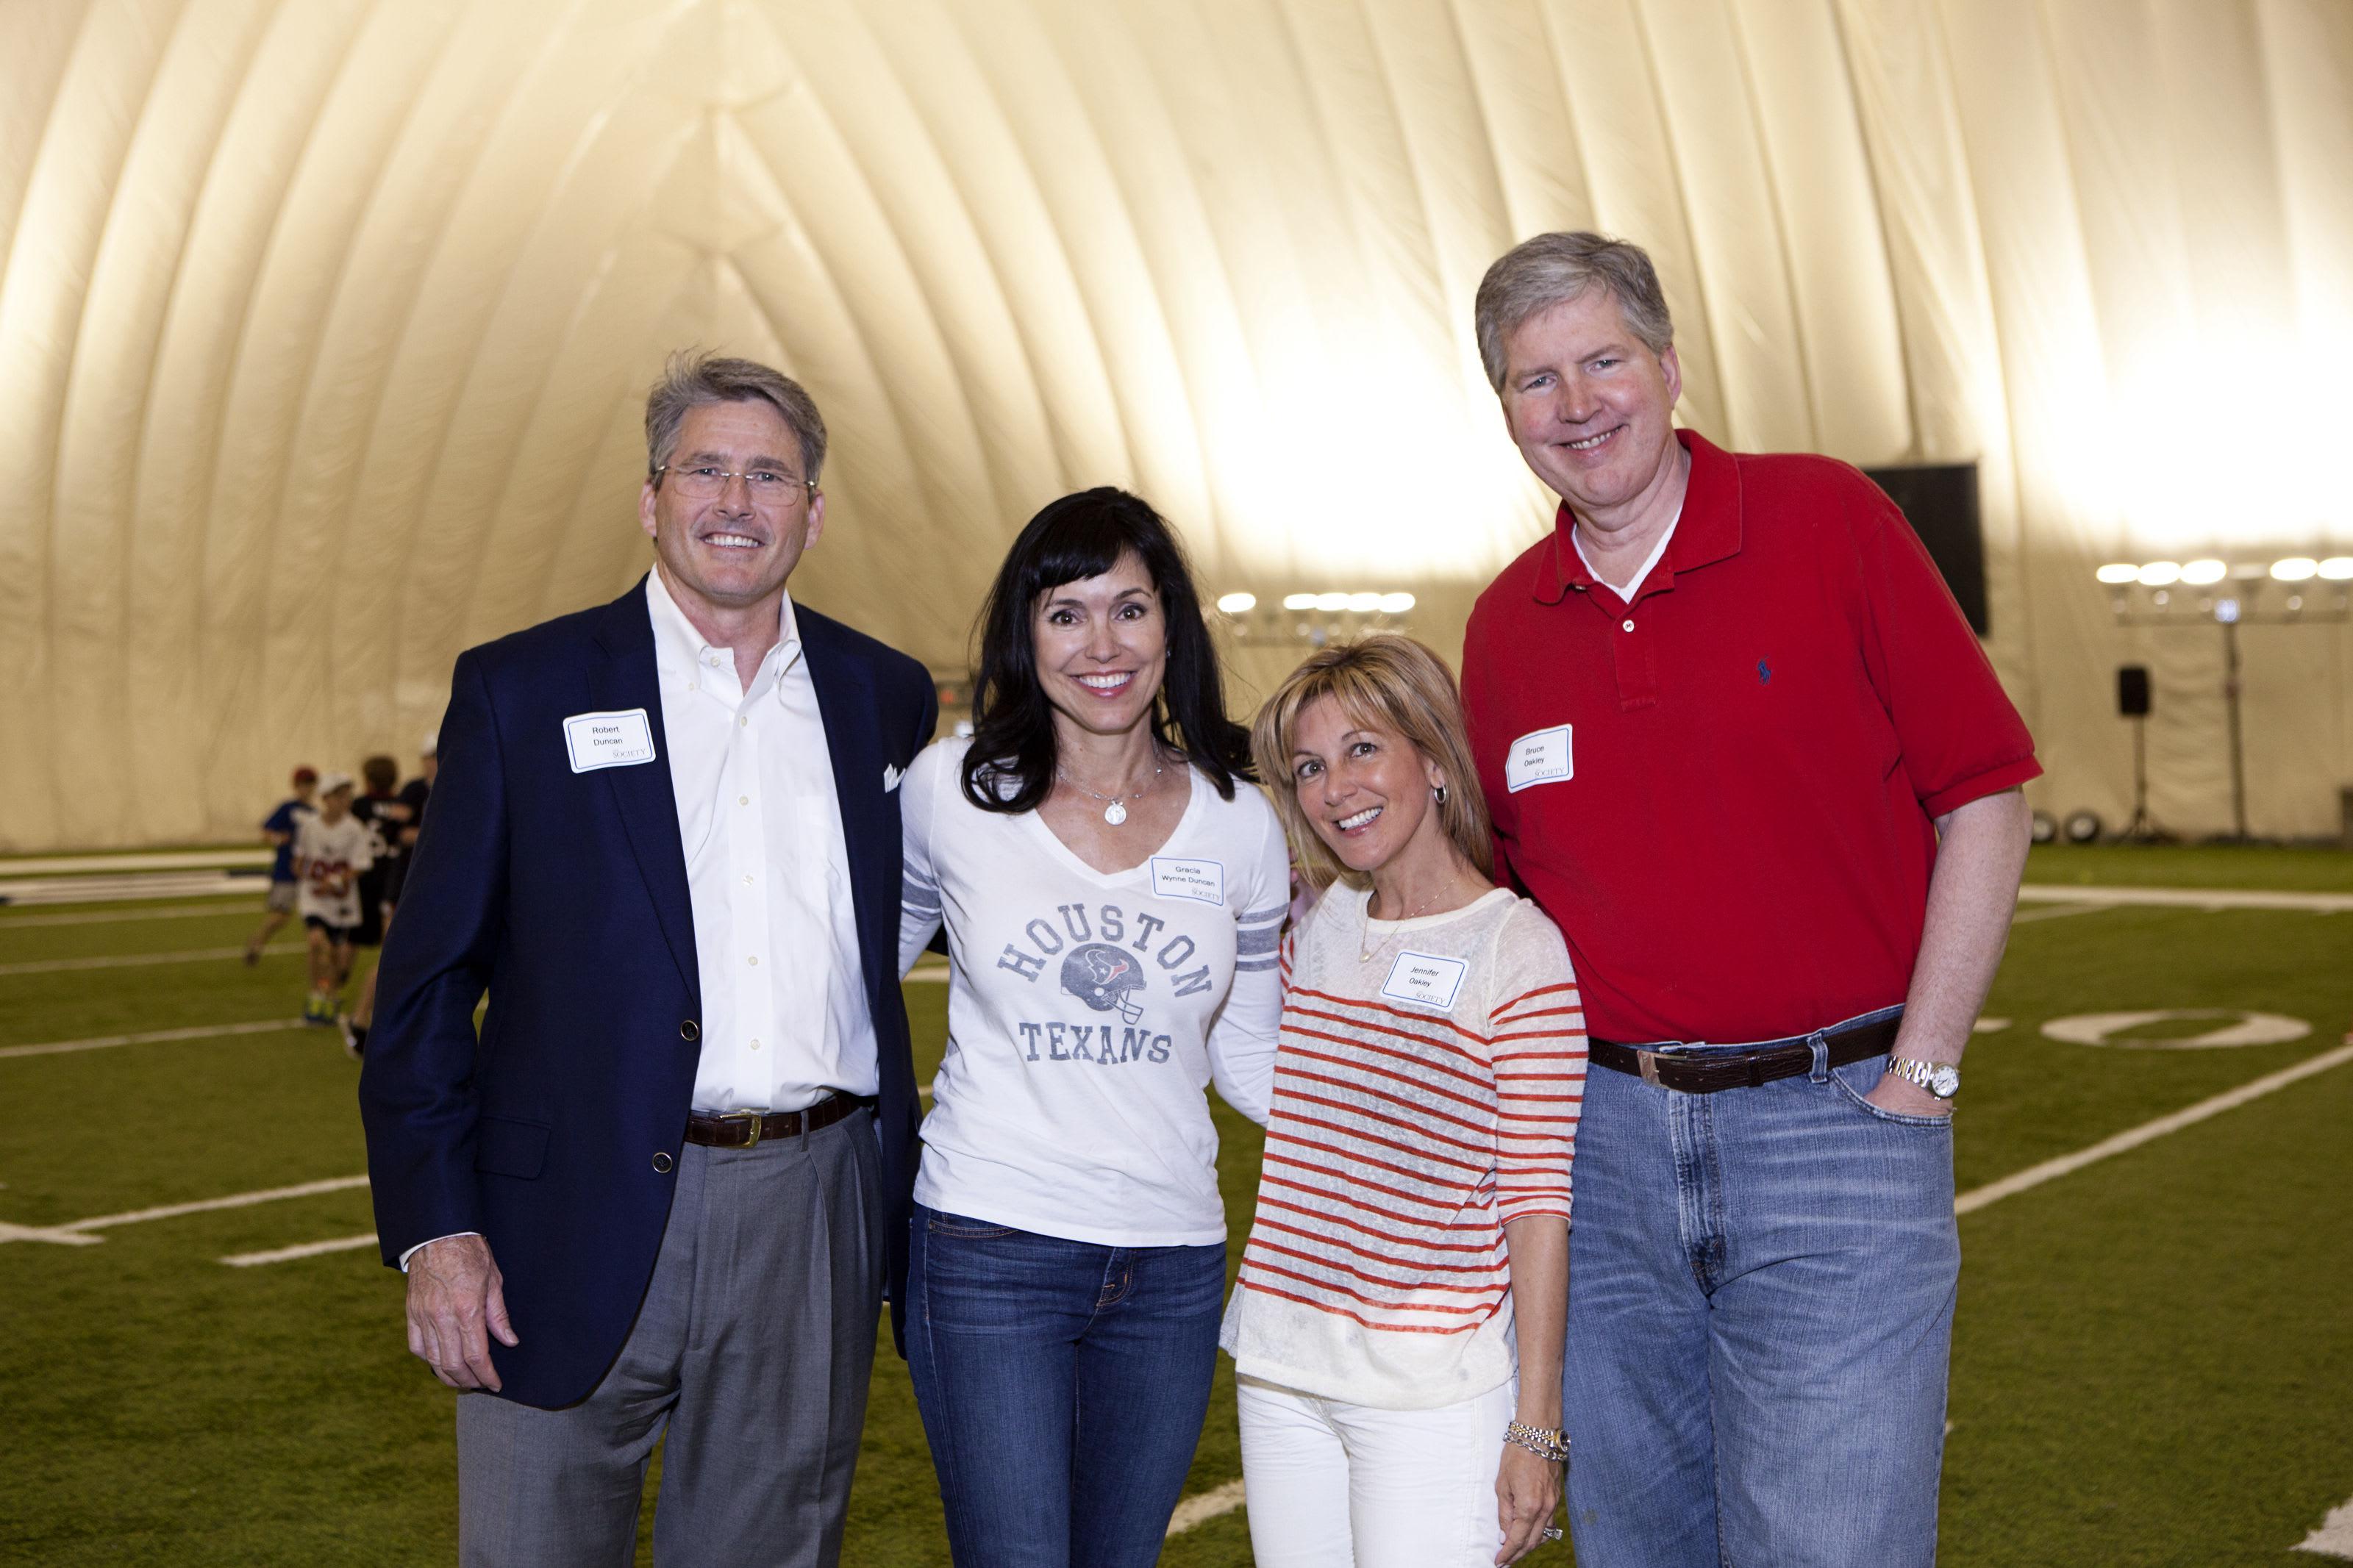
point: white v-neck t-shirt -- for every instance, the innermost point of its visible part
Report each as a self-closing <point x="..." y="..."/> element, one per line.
<point x="1088" y="1010"/>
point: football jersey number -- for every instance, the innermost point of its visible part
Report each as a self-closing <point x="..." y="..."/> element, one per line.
<point x="331" y="879"/>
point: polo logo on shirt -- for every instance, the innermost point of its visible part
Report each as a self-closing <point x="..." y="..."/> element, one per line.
<point x="1764" y="672"/>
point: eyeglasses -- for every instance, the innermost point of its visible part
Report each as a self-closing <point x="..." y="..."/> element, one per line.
<point x="767" y="486"/>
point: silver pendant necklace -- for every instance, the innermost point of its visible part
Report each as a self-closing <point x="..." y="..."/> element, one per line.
<point x="1116" y="807"/>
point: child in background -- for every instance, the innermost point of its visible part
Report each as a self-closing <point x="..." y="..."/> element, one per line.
<point x="278" y="829"/>
<point x="331" y="850"/>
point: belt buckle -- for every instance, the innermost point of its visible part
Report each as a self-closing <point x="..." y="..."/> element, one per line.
<point x="1648" y="1062"/>
<point x="751" y="1118"/>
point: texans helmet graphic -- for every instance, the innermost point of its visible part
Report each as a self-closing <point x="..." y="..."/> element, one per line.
<point x="1105" y="978"/>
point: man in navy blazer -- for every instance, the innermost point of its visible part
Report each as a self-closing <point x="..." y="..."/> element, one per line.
<point x="662" y="1189"/>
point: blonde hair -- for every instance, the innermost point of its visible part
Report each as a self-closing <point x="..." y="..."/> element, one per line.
<point x="1386" y="682"/>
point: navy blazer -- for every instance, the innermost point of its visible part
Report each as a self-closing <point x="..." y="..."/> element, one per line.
<point x="564" y="896"/>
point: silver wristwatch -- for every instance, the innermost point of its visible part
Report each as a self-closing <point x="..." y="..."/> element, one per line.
<point x="1942" y="1079"/>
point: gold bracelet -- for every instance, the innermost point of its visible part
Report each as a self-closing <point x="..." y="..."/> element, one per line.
<point x="1549" y="1443"/>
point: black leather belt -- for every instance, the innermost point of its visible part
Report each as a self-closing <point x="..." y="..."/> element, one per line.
<point x="1760" y="1062"/>
<point x="744" y="1129"/>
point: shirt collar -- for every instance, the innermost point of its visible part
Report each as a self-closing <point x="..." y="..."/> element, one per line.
<point x="677" y="642"/>
<point x="1633" y="589"/>
<point x="1707" y="531"/>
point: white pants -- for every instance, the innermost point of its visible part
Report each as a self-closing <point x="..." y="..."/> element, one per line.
<point x="1344" y="1485"/>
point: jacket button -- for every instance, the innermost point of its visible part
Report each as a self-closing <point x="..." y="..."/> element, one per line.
<point x="661" y="1162"/>
<point x="689" y="1031"/>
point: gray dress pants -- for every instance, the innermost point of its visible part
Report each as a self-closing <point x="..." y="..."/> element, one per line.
<point x="752" y="1352"/>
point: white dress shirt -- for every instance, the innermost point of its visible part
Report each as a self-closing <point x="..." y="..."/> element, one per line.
<point x="783" y="1014"/>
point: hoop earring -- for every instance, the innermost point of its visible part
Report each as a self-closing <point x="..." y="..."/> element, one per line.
<point x="1439" y="795"/>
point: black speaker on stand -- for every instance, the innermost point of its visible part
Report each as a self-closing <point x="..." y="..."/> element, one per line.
<point x="2132" y="703"/>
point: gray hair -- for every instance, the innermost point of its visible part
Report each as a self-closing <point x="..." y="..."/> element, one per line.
<point x="1553" y="268"/>
<point x="692" y="379"/>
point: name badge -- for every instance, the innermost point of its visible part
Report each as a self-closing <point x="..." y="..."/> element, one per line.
<point x="609" y="740"/>
<point x="1201" y="880"/>
<point x="1425" y="979"/>
<point x="1538" y="757"/>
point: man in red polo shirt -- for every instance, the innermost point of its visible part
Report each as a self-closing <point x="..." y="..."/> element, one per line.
<point x="1742" y="747"/>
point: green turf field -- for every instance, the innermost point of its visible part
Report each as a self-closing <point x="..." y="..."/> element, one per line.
<point x="2151" y="1364"/>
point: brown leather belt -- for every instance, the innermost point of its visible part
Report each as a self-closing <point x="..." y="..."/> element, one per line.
<point x="1759" y="1063"/>
<point x="744" y="1129"/>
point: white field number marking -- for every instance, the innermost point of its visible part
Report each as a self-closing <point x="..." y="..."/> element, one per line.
<point x="2335" y="1536"/>
<point x="2244" y="1028"/>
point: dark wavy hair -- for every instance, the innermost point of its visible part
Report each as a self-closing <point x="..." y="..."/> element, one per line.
<point x="1011" y="767"/>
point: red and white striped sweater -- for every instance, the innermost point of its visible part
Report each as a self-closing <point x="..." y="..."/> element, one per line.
<point x="1422" y="1098"/>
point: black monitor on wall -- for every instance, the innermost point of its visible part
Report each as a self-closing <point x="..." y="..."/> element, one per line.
<point x="1941" y="501"/>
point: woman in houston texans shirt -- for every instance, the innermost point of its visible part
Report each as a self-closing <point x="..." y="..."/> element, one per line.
<point x="1112" y="886"/>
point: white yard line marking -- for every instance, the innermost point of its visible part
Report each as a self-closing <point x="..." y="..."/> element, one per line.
<point x="32" y="1233"/>
<point x="141" y="960"/>
<point x="139" y="885"/>
<point x="77" y="1233"/>
<point x="307" y="1249"/>
<point x="1203" y="1506"/>
<point x="2335" y="1536"/>
<point x="153" y="1037"/>
<point x="169" y="860"/>
<point x="2147" y="1131"/>
<point x="111" y="917"/>
<point x="2056" y="912"/>
<point x="2187" y="898"/>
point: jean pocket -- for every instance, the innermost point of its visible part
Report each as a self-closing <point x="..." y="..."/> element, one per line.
<point x="1854" y="1097"/>
<point x="963" y="1228"/>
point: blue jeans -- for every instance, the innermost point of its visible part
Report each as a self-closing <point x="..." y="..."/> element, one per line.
<point x="1760" y="1303"/>
<point x="1062" y="1384"/>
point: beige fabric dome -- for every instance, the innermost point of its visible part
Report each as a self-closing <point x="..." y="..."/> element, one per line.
<point x="325" y="323"/>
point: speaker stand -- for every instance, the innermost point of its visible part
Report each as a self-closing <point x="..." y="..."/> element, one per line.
<point x="2141" y="830"/>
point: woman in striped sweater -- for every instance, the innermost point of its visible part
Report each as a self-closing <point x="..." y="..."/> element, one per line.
<point x="1398" y="1322"/>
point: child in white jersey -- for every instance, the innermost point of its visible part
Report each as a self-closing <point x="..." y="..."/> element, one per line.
<point x="1397" y="1327"/>
<point x="331" y="849"/>
<point x="1113" y="888"/>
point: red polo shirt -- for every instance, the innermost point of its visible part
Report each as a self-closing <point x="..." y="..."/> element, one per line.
<point x="1757" y="746"/>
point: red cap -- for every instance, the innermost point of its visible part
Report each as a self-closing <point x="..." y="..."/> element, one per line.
<point x="306" y="773"/>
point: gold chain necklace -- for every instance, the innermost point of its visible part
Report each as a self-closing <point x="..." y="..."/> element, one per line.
<point x="1366" y="955"/>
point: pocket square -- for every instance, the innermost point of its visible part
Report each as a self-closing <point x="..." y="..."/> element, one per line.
<point x="890" y="778"/>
